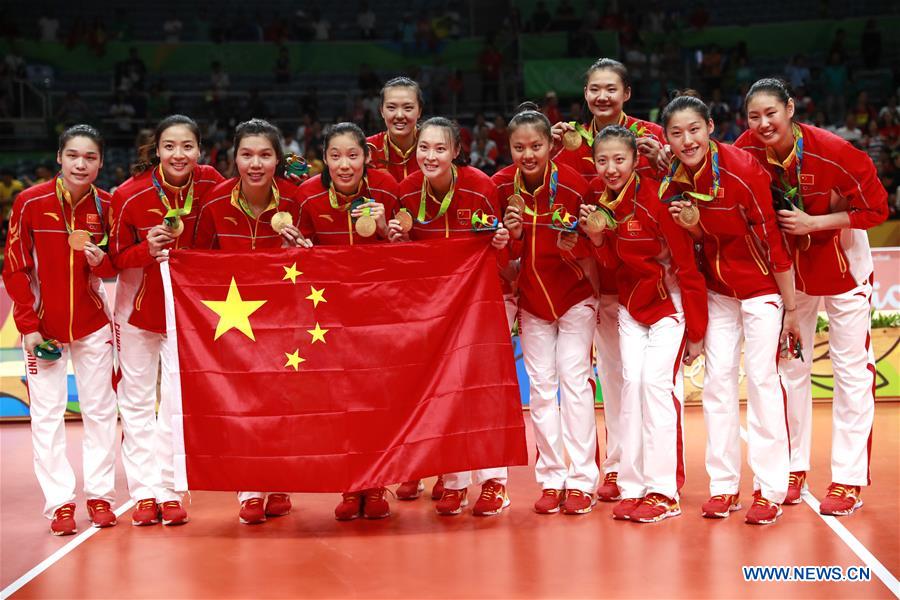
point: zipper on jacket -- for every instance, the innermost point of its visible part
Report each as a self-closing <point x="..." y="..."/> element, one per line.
<point x="534" y="232"/>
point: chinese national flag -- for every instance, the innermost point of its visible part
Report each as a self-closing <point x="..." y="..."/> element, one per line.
<point x="339" y="368"/>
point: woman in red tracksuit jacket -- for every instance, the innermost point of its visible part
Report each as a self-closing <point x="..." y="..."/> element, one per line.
<point x="721" y="195"/>
<point x="662" y="304"/>
<point x="831" y="195"/>
<point x="346" y="205"/>
<point x="168" y="183"/>
<point x="394" y="150"/>
<point x="236" y="216"/>
<point x="557" y="312"/>
<point x="607" y="87"/>
<point x="444" y="200"/>
<point x="54" y="263"/>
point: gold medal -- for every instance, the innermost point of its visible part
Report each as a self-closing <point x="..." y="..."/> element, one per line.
<point x="689" y="216"/>
<point x="405" y="219"/>
<point x="572" y="140"/>
<point x="78" y="238"/>
<point x="280" y="220"/>
<point x="517" y="201"/>
<point x="595" y="222"/>
<point x="175" y="226"/>
<point x="365" y="226"/>
<point x="803" y="242"/>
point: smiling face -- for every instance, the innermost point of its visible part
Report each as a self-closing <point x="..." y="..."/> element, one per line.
<point x="530" y="151"/>
<point x="605" y="94"/>
<point x="615" y="161"/>
<point x="346" y="162"/>
<point x="400" y="111"/>
<point x="435" y="152"/>
<point x="256" y="161"/>
<point x="688" y="134"/>
<point x="179" y="151"/>
<point x="80" y="161"/>
<point x="770" y="119"/>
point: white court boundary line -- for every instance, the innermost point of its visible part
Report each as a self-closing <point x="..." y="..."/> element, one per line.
<point x="848" y="538"/>
<point x="48" y="562"/>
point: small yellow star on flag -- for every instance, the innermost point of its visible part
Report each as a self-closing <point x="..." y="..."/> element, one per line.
<point x="316" y="296"/>
<point x="234" y="312"/>
<point x="318" y="334"/>
<point x="294" y="360"/>
<point x="291" y="273"/>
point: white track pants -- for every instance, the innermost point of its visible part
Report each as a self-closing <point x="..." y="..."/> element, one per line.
<point x="609" y="368"/>
<point x="92" y="361"/>
<point x="557" y="357"/>
<point x="853" y="362"/>
<point x="756" y="321"/>
<point x="147" y="451"/>
<point x="463" y="479"/>
<point x="651" y="412"/>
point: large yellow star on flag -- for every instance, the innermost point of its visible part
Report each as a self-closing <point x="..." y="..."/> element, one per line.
<point x="318" y="334"/>
<point x="294" y="360"/>
<point x="291" y="273"/>
<point x="316" y="296"/>
<point x="234" y="312"/>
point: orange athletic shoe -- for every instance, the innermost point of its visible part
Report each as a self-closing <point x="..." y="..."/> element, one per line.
<point x="655" y="507"/>
<point x="549" y="502"/>
<point x="762" y="511"/>
<point x="493" y="499"/>
<point x="452" y="502"/>
<point x="841" y="500"/>
<point x="609" y="489"/>
<point x="796" y="485"/>
<point x="146" y="512"/>
<point x="63" y="522"/>
<point x="173" y="513"/>
<point x="100" y="513"/>
<point x="720" y="506"/>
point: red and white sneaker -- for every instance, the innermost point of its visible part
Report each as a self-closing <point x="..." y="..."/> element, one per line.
<point x="720" y="506"/>
<point x="100" y="513"/>
<point x="452" y="502"/>
<point x="796" y="485"/>
<point x="655" y="507"/>
<point x="762" y="511"/>
<point x="437" y="492"/>
<point x="349" y="508"/>
<point x="252" y="512"/>
<point x="410" y="490"/>
<point x="146" y="512"/>
<point x="609" y="489"/>
<point x="577" y="503"/>
<point x="278" y="505"/>
<point x="173" y="513"/>
<point x="63" y="522"/>
<point x="622" y="511"/>
<point x="493" y="499"/>
<point x="549" y="502"/>
<point x="375" y="505"/>
<point x="841" y="500"/>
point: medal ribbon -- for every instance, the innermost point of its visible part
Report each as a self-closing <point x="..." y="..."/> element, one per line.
<point x="445" y="203"/>
<point x="237" y="196"/>
<point x="554" y="184"/>
<point x="608" y="208"/>
<point x="792" y="193"/>
<point x="332" y="195"/>
<point x="587" y="135"/>
<point x="173" y="215"/>
<point x="404" y="156"/>
<point x="62" y="193"/>
<point x="714" y="161"/>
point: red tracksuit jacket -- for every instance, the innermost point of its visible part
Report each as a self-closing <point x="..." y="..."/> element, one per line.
<point x="136" y="208"/>
<point x="582" y="160"/>
<point x="329" y="226"/>
<point x="829" y="164"/>
<point x="742" y="244"/>
<point x="223" y="225"/>
<point x="384" y="155"/>
<point x="53" y="289"/>
<point x="550" y="280"/>
<point x="649" y="252"/>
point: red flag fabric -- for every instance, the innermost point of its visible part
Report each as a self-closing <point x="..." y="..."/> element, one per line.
<point x="339" y="368"/>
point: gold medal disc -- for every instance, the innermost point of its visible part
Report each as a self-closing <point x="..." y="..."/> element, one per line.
<point x="405" y="219"/>
<point x="280" y="220"/>
<point x="595" y="222"/>
<point x="365" y="226"/>
<point x="517" y="201"/>
<point x="689" y="216"/>
<point x="177" y="229"/>
<point x="78" y="238"/>
<point x="572" y="140"/>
